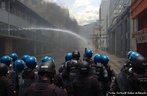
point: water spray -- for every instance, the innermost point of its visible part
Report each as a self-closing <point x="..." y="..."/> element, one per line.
<point x="85" y="41"/>
<point x="58" y="30"/>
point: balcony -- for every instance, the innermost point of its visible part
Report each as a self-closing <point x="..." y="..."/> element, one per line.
<point x="141" y="36"/>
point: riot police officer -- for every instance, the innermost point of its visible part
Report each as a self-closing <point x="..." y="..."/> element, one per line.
<point x="69" y="70"/>
<point x="14" y="56"/>
<point x="85" y="84"/>
<point x="68" y="57"/>
<point x="105" y="61"/>
<point x="25" y="57"/>
<point x="63" y="75"/>
<point x="128" y="62"/>
<point x="101" y="73"/>
<point x="72" y="65"/>
<point x="11" y="73"/>
<point x="45" y="87"/>
<point x="28" y="75"/>
<point x="6" y="86"/>
<point x="29" y="71"/>
<point x="98" y="68"/>
<point x="47" y="58"/>
<point x="76" y="56"/>
<point x="19" y="66"/>
<point x="88" y="56"/>
<point x="6" y="60"/>
<point x="133" y="77"/>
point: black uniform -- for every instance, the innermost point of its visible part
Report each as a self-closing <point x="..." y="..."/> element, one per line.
<point x="6" y="87"/>
<point x="28" y="77"/>
<point x="86" y="86"/>
<point x="89" y="60"/>
<point x="100" y="72"/>
<point x="69" y="73"/>
<point x="132" y="82"/>
<point x="44" y="88"/>
<point x="14" y="79"/>
<point x="133" y="76"/>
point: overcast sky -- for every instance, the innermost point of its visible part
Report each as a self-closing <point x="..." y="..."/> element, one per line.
<point x="84" y="11"/>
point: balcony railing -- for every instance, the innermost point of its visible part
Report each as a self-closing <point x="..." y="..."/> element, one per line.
<point x="140" y="32"/>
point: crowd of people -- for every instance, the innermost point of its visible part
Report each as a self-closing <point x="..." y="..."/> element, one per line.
<point x="90" y="76"/>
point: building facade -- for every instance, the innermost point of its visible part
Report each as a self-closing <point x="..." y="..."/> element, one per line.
<point x="116" y="8"/>
<point x="139" y="34"/>
<point x="104" y="23"/>
<point x="14" y="16"/>
<point x="96" y="35"/>
<point x="119" y="35"/>
<point x="119" y="29"/>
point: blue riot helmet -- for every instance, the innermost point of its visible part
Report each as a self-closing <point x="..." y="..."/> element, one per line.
<point x="104" y="59"/>
<point x="138" y="62"/>
<point x="19" y="65"/>
<point x="3" y="69"/>
<point x="88" y="53"/>
<point x="6" y="60"/>
<point x="14" y="56"/>
<point x="129" y="54"/>
<point x="31" y="62"/>
<point x="24" y="57"/>
<point x="47" y="58"/>
<point x="133" y="56"/>
<point x="97" y="58"/>
<point x="68" y="56"/>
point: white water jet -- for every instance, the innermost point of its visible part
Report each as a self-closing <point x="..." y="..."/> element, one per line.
<point x="58" y="30"/>
<point x="85" y="44"/>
